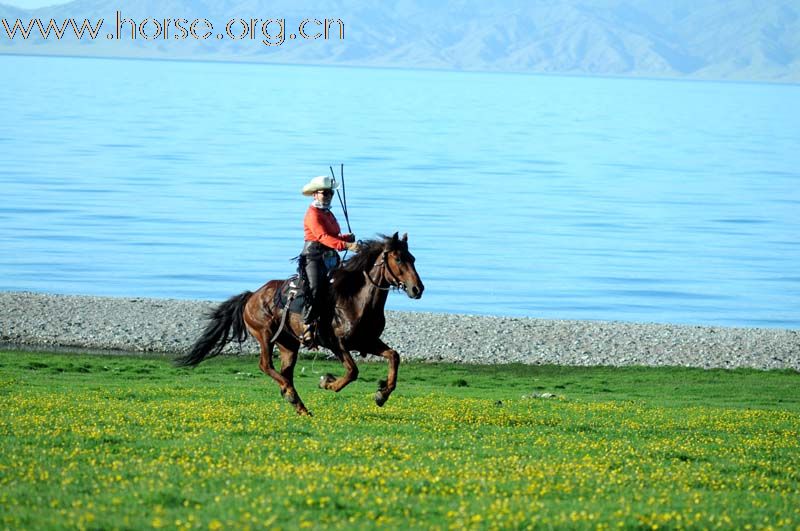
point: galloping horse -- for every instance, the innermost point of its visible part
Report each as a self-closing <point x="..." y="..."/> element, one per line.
<point x="359" y="291"/>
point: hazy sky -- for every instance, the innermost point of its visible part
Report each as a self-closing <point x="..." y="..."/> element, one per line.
<point x="30" y="4"/>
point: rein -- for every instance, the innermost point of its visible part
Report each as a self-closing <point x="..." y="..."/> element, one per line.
<point x="394" y="282"/>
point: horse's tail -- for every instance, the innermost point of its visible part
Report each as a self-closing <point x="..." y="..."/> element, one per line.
<point x="226" y="324"/>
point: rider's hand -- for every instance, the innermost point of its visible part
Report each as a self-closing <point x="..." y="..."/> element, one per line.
<point x="352" y="246"/>
<point x="349" y="237"/>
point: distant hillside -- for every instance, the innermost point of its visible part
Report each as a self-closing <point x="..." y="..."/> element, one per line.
<point x="713" y="39"/>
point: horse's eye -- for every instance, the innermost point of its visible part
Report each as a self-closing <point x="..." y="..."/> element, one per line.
<point x="398" y="259"/>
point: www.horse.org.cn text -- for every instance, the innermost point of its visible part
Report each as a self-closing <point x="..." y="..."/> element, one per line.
<point x="270" y="31"/>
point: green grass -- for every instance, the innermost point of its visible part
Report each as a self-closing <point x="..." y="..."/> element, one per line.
<point x="105" y="442"/>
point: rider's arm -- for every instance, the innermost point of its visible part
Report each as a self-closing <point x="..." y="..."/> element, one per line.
<point x="324" y="229"/>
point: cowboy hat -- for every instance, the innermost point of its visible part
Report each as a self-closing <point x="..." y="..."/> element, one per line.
<point x="321" y="182"/>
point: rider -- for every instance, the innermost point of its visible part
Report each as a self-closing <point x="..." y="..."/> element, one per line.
<point x="323" y="238"/>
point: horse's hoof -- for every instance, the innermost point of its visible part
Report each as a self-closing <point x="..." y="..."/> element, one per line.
<point x="304" y="413"/>
<point x="326" y="379"/>
<point x="380" y="398"/>
<point x="290" y="397"/>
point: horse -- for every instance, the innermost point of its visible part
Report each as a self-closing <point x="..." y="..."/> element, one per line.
<point x="358" y="291"/>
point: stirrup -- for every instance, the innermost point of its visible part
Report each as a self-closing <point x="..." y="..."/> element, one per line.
<point x="309" y="335"/>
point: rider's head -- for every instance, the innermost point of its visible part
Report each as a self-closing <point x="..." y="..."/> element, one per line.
<point x="321" y="188"/>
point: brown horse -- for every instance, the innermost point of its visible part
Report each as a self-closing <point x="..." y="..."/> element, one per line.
<point x="359" y="291"/>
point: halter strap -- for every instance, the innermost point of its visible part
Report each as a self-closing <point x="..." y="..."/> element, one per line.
<point x="394" y="282"/>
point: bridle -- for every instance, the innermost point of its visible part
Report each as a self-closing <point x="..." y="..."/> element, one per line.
<point x="393" y="281"/>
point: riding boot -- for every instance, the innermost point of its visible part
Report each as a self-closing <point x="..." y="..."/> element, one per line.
<point x="308" y="337"/>
<point x="315" y="274"/>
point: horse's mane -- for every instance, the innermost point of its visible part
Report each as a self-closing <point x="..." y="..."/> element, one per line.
<point x="349" y="279"/>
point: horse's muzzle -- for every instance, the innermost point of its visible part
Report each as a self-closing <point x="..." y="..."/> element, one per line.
<point x="415" y="292"/>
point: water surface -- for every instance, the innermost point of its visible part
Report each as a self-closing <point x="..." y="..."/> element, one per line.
<point x="522" y="195"/>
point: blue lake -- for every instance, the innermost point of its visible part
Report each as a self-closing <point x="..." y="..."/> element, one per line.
<point x="539" y="196"/>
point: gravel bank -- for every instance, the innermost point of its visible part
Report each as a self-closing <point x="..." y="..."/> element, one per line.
<point x="149" y="325"/>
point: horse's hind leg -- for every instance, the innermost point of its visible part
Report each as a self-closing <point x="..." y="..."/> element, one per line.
<point x="385" y="387"/>
<point x="328" y="381"/>
<point x="288" y="361"/>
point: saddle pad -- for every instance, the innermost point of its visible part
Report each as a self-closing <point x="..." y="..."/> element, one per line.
<point x="292" y="283"/>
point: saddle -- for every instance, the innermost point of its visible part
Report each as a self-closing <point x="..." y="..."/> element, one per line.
<point x="294" y="284"/>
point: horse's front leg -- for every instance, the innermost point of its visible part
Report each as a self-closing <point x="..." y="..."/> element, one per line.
<point x="288" y="361"/>
<point x="267" y="367"/>
<point x="329" y="381"/>
<point x="385" y="387"/>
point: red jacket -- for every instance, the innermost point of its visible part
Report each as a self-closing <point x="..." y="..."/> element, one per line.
<point x="321" y="226"/>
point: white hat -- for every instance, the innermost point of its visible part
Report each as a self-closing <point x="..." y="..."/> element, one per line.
<point x="321" y="182"/>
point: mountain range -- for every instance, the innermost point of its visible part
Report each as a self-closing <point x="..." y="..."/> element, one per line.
<point x="714" y="39"/>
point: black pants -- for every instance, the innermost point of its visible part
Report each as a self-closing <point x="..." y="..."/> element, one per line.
<point x="318" y="284"/>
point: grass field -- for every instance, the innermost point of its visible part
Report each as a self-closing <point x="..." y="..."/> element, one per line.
<point x="125" y="442"/>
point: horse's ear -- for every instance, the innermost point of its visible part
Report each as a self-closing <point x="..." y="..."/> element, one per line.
<point x="394" y="238"/>
<point x="405" y="237"/>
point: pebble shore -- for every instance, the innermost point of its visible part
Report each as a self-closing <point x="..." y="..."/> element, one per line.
<point x="44" y="321"/>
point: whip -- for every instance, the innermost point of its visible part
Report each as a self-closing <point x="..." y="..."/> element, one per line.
<point x="342" y="202"/>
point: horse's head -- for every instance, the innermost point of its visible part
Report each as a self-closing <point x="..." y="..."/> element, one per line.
<point x="399" y="263"/>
